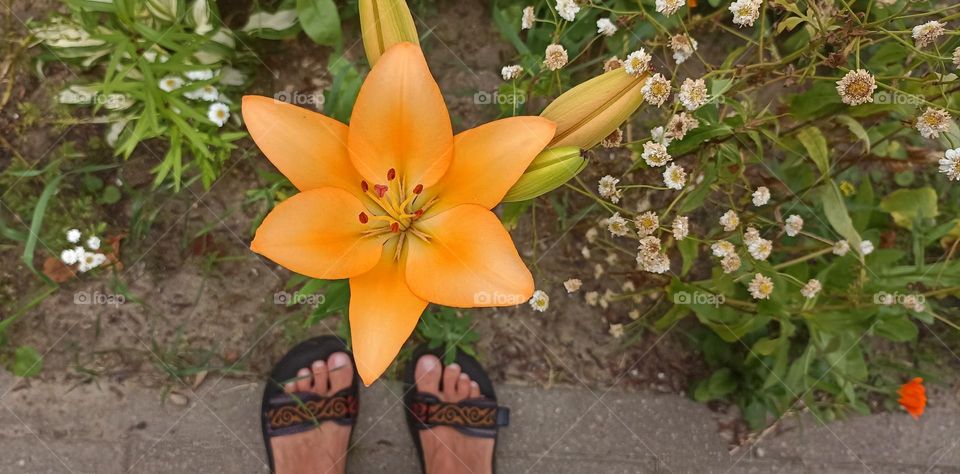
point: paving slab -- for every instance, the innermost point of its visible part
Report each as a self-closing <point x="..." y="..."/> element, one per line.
<point x="108" y="428"/>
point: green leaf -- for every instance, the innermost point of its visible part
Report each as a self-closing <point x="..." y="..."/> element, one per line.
<point x="320" y="20"/>
<point x="816" y="145"/>
<point x="720" y="384"/>
<point x="856" y="129"/>
<point x="111" y="194"/>
<point x="907" y="205"/>
<point x="836" y="212"/>
<point x="897" y="328"/>
<point x="27" y="362"/>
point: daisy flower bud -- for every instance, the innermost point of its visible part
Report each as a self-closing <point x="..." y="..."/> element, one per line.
<point x="950" y="164"/>
<point x="841" y="248"/>
<point x="681" y="124"/>
<point x="93" y="243"/>
<point x="761" y="196"/>
<point x="614" y="140"/>
<point x="793" y="225"/>
<point x="866" y="247"/>
<point x="68" y="256"/>
<point x="722" y="248"/>
<point x="218" y="113"/>
<point x="539" y="301"/>
<point x="555" y="57"/>
<point x="751" y="235"/>
<point x="526" y="21"/>
<point x="761" y="287"/>
<point x="606" y="27"/>
<point x="591" y="297"/>
<point x="927" y="33"/>
<point x="857" y="87"/>
<point x="693" y="94"/>
<point x="730" y="263"/>
<point x="616" y="63"/>
<point x="572" y="285"/>
<point x="170" y="83"/>
<point x="73" y="236"/>
<point x="616" y="330"/>
<point x="512" y="72"/>
<point x="810" y="290"/>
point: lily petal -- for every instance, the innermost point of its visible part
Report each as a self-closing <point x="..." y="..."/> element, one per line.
<point x="489" y="159"/>
<point x="318" y="233"/>
<point x="310" y="149"/>
<point x="383" y="313"/>
<point x="469" y="261"/>
<point x="400" y="121"/>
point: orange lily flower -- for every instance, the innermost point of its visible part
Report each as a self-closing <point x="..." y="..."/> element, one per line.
<point x="396" y="202"/>
<point x="913" y="397"/>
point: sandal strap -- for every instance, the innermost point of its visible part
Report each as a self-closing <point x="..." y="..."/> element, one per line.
<point x="478" y="417"/>
<point x="302" y="411"/>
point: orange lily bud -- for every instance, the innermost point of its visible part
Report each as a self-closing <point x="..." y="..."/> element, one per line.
<point x="548" y="171"/>
<point x="384" y="23"/>
<point x="591" y="111"/>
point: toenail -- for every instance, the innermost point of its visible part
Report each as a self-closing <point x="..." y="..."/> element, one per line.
<point x="303" y="373"/>
<point x="317" y="365"/>
<point x="464" y="376"/>
<point x="453" y="366"/>
<point x="428" y="363"/>
<point x="474" y="385"/>
<point x="338" y="360"/>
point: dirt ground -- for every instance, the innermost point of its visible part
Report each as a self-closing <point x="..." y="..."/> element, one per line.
<point x="190" y="315"/>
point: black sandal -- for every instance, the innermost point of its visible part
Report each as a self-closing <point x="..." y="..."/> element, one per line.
<point x="284" y="414"/>
<point x="478" y="417"/>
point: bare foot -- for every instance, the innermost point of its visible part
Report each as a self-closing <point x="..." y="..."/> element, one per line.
<point x="323" y="449"/>
<point x="446" y="450"/>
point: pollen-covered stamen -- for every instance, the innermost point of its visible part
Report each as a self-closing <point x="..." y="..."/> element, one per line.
<point x="380" y="189"/>
<point x="418" y="213"/>
<point x="418" y="189"/>
<point x="391" y="174"/>
<point x="364" y="186"/>
<point x="395" y="227"/>
<point x="363" y="218"/>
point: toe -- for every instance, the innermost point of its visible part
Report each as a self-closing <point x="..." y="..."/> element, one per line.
<point x="463" y="387"/>
<point x="290" y="387"/>
<point x="427" y="374"/>
<point x="320" y="377"/>
<point x="450" y="377"/>
<point x="341" y="371"/>
<point x="474" y="390"/>
<point x="304" y="380"/>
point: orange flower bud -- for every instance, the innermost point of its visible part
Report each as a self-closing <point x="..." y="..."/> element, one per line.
<point x="384" y="23"/>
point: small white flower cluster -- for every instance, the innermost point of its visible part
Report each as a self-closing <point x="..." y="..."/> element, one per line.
<point x="555" y="57"/>
<point x="927" y="33"/>
<point x="693" y="94"/>
<point x="745" y="12"/>
<point x="761" y="196"/>
<point x="637" y="62"/>
<point x="567" y="9"/>
<point x="793" y="225"/>
<point x="87" y="258"/>
<point x="758" y="247"/>
<point x="683" y="47"/>
<point x="526" y="21"/>
<point x="841" y="247"/>
<point x="933" y="122"/>
<point x="608" y="188"/>
<point x="727" y="253"/>
<point x="761" y="287"/>
<point x="606" y="27"/>
<point x="669" y="7"/>
<point x="512" y="72"/>
<point x="649" y="255"/>
<point x="730" y="221"/>
<point x="655" y="154"/>
<point x="217" y="112"/>
<point x="656" y="90"/>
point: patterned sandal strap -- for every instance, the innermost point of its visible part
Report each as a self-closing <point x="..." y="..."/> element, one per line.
<point x="299" y="412"/>
<point x="478" y="417"/>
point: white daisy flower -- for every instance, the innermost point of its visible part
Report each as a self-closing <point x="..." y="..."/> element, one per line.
<point x="73" y="236"/>
<point x="669" y="7"/>
<point x="567" y="9"/>
<point x="760" y="249"/>
<point x="729" y="220"/>
<point x="656" y="90"/>
<point x="606" y="27"/>
<point x="841" y="248"/>
<point x="693" y="94"/>
<point x="170" y="83"/>
<point x="539" y="301"/>
<point x="761" y="287"/>
<point x="927" y="33"/>
<point x="681" y="227"/>
<point x="556" y="57"/>
<point x="745" y="12"/>
<point x="751" y="235"/>
<point x="722" y="248"/>
<point x="950" y="164"/>
<point x="510" y="73"/>
<point x="617" y="225"/>
<point x="810" y="290"/>
<point x="866" y="247"/>
<point x="218" y="113"/>
<point x="655" y="154"/>
<point x="933" y="122"/>
<point x="730" y="263"/>
<point x="656" y="263"/>
<point x="761" y="196"/>
<point x="660" y="135"/>
<point x="637" y="63"/>
<point x="679" y="125"/>
<point x="647" y="223"/>
<point x="199" y="75"/>
<point x="608" y="188"/>
<point x="526" y="21"/>
<point x="674" y="177"/>
<point x="93" y="243"/>
<point x="857" y="87"/>
<point x="68" y="256"/>
<point x="572" y="285"/>
<point x="683" y="47"/>
<point x="88" y="261"/>
<point x="793" y="225"/>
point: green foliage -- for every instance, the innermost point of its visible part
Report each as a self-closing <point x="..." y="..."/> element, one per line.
<point x="448" y="328"/>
